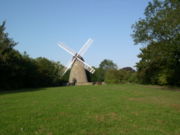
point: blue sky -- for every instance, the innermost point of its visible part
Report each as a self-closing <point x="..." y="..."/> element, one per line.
<point x="38" y="25"/>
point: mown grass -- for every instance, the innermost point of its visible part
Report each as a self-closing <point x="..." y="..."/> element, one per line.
<point x="91" y="110"/>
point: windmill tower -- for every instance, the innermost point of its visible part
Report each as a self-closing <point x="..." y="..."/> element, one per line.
<point x="78" y="65"/>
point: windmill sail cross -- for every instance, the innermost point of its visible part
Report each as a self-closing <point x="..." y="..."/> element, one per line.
<point x="77" y="64"/>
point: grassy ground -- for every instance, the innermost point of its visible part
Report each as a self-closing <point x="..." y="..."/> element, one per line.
<point x="91" y="110"/>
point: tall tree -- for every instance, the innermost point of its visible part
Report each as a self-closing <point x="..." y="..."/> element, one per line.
<point x="104" y="66"/>
<point x="49" y="71"/>
<point x="8" y="58"/>
<point x="20" y="71"/>
<point x="107" y="64"/>
<point x="159" y="31"/>
<point x="6" y="43"/>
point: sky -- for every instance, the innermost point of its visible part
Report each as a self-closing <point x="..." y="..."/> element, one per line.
<point x="38" y="25"/>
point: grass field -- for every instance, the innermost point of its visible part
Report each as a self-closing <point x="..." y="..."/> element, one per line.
<point x="91" y="110"/>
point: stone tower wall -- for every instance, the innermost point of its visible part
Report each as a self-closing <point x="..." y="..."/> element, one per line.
<point x="78" y="73"/>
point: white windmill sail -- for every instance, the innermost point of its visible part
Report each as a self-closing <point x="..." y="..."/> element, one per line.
<point x="68" y="66"/>
<point x="76" y="56"/>
<point x="67" y="49"/>
<point x="85" y="47"/>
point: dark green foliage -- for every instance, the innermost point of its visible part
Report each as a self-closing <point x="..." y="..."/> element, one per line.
<point x="124" y="75"/>
<point x="159" y="31"/>
<point x="107" y="64"/>
<point x="130" y="69"/>
<point x="108" y="72"/>
<point x="6" y="44"/>
<point x="65" y="77"/>
<point x="49" y="71"/>
<point x="104" y="66"/>
<point x="20" y="71"/>
<point x="98" y="76"/>
<point x="112" y="76"/>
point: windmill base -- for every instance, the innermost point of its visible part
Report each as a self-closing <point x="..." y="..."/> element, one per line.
<point x="83" y="83"/>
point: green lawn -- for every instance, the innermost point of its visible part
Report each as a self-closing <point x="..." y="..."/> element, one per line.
<point x="91" y="110"/>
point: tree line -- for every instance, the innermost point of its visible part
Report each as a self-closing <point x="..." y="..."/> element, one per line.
<point x="21" y="71"/>
<point x="109" y="73"/>
<point x="18" y="70"/>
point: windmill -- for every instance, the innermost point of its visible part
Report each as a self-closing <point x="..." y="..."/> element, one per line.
<point x="77" y="64"/>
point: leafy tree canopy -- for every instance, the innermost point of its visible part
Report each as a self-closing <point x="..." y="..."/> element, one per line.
<point x="160" y="32"/>
<point x="161" y="22"/>
<point x="107" y="64"/>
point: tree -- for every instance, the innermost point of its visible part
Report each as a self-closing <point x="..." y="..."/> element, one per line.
<point x="49" y="72"/>
<point x="8" y="59"/>
<point x="107" y="64"/>
<point x="130" y="69"/>
<point x="104" y="66"/>
<point x="20" y="71"/>
<point x="124" y="75"/>
<point x="159" y="31"/>
<point x="161" y="23"/>
<point x="6" y="43"/>
<point x="112" y="76"/>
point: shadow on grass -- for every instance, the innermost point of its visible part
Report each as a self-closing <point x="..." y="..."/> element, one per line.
<point x="171" y="88"/>
<point x="3" y="92"/>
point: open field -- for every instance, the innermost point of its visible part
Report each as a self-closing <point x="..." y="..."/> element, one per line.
<point x="91" y="110"/>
